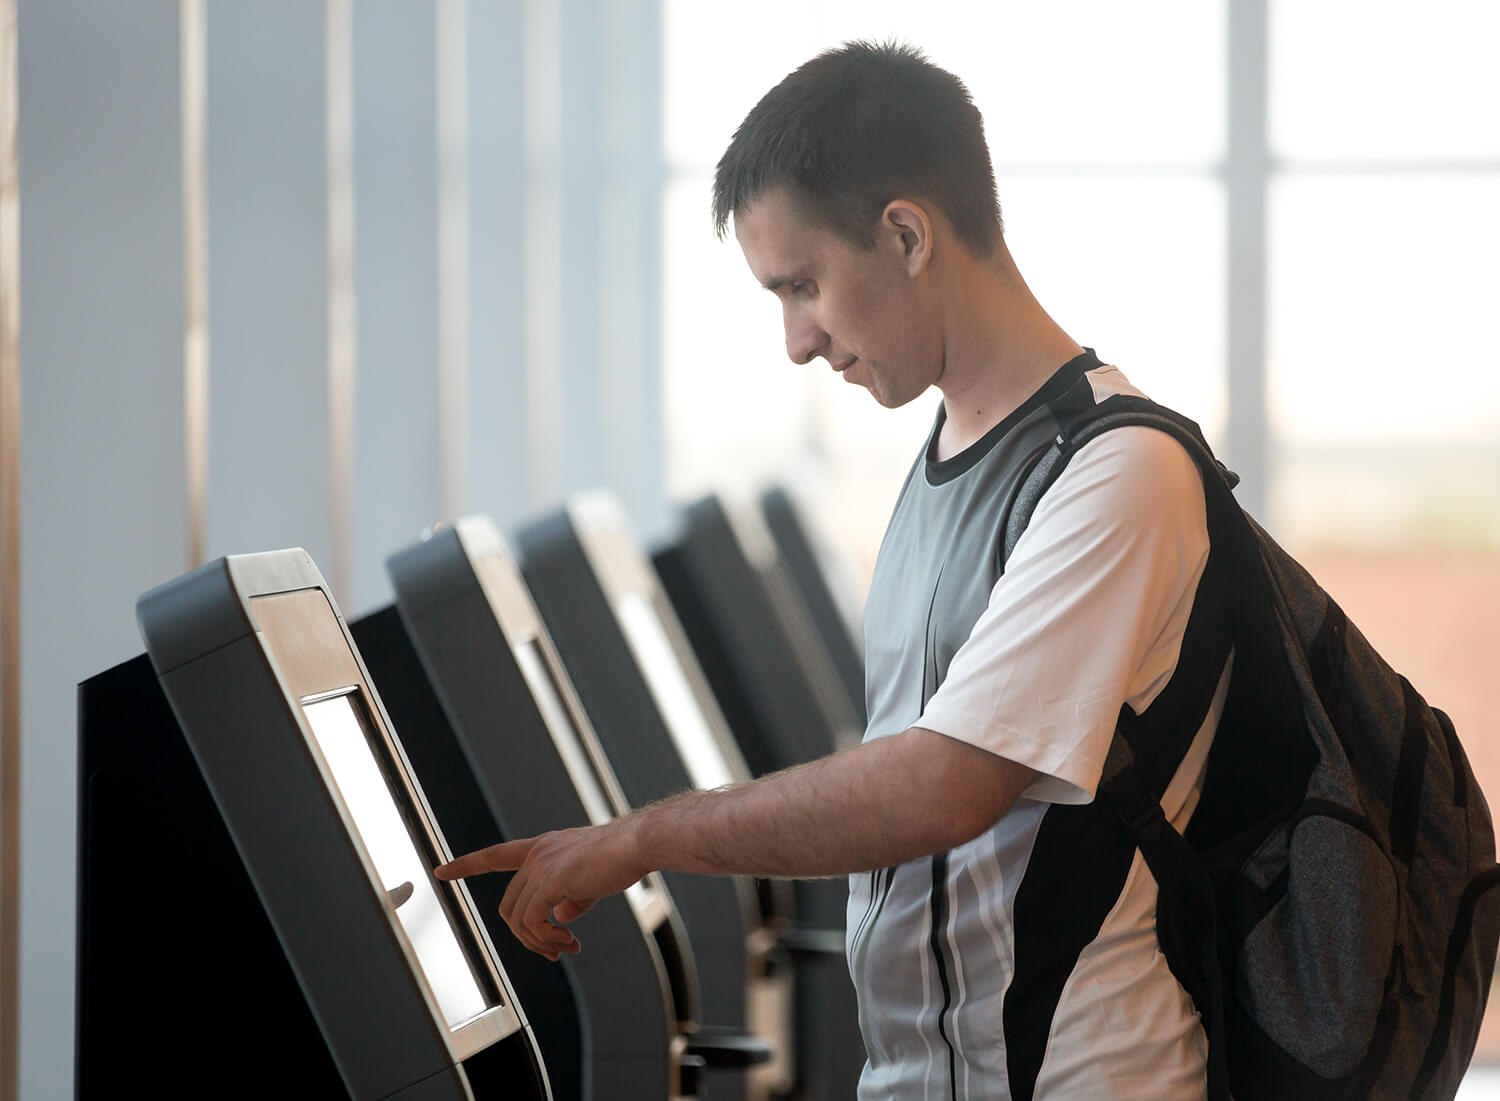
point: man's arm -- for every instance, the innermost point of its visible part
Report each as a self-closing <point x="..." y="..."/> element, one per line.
<point x="881" y="803"/>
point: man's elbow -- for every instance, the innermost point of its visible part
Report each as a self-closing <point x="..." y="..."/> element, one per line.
<point x="974" y="789"/>
<point x="964" y="819"/>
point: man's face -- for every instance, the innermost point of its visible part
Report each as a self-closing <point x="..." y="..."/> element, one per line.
<point x="856" y="308"/>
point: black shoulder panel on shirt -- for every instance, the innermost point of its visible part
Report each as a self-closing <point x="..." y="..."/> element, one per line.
<point x="1078" y="866"/>
<point x="1082" y="855"/>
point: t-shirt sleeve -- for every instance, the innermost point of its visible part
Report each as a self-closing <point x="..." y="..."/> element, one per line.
<point x="1089" y="614"/>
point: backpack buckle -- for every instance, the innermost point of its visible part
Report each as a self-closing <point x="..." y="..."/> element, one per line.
<point x="1134" y="805"/>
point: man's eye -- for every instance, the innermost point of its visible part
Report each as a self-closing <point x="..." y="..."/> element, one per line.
<point x="802" y="288"/>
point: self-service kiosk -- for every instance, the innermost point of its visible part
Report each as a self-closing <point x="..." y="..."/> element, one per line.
<point x="549" y="990"/>
<point x="614" y="632"/>
<point x="662" y="728"/>
<point x="463" y="658"/>
<point x="824" y="584"/>
<point x="306" y="772"/>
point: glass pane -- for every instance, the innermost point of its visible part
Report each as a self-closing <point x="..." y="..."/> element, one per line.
<point x="736" y="406"/>
<point x="1133" y="267"/>
<point x="1145" y="83"/>
<point x="1384" y="394"/>
<point x="1356" y="78"/>
<point x="1376" y="286"/>
<point x="1092" y="80"/>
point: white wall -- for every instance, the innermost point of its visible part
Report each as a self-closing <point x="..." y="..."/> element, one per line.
<point x="103" y="508"/>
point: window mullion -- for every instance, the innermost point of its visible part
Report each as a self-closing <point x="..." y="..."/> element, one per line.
<point x="1247" y="173"/>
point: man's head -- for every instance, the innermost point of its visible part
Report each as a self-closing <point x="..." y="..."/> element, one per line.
<point x="855" y="128"/>
<point x="863" y="198"/>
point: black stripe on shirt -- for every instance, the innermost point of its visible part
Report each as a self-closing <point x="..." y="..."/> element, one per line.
<point x="939" y="928"/>
<point x="881" y="882"/>
<point x="859" y="930"/>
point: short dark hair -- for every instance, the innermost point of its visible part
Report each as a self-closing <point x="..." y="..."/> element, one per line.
<point x="856" y="127"/>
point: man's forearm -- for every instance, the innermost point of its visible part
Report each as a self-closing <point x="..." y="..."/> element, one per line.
<point x="882" y="803"/>
<point x="876" y="805"/>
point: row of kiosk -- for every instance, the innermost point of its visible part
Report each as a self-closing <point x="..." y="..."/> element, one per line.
<point x="263" y="795"/>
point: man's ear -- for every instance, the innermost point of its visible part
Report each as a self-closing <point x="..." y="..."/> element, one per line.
<point x="909" y="225"/>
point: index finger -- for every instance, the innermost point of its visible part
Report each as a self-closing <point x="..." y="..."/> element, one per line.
<point x="504" y="857"/>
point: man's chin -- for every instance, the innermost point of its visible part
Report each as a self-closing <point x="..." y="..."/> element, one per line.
<point x="893" y="401"/>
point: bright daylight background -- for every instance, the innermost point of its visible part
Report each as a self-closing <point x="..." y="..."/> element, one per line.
<point x="1109" y="127"/>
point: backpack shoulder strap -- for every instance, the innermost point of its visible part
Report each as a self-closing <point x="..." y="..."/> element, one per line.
<point x="1116" y="412"/>
<point x="1187" y="925"/>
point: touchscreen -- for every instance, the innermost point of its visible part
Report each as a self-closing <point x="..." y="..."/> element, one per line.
<point x="343" y="738"/>
<point x="674" y="697"/>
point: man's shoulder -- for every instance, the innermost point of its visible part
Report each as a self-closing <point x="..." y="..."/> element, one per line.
<point x="1125" y="482"/>
<point x="1131" y="456"/>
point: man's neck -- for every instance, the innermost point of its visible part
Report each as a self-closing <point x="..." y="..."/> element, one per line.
<point x="1000" y="348"/>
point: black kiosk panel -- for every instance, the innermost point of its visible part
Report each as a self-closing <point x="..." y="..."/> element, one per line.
<point x="654" y="713"/>
<point x="336" y="835"/>
<point x="591" y="541"/>
<point x="505" y="708"/>
<point x="762" y="653"/>
<point x="147" y="825"/>
<point x="548" y="990"/>
<point x="820" y="581"/>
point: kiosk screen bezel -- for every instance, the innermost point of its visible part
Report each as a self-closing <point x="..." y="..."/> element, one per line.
<point x="308" y="643"/>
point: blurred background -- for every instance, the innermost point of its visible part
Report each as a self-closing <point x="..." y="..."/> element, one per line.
<point x="283" y="273"/>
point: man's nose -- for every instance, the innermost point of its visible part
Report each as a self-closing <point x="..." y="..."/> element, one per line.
<point x="804" y="339"/>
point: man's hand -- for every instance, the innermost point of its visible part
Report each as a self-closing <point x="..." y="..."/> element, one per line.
<point x="559" y="877"/>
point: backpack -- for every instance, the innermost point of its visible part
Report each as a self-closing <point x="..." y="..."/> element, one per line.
<point x="1329" y="906"/>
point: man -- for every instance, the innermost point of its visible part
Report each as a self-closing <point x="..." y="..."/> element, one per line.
<point x="1001" y="927"/>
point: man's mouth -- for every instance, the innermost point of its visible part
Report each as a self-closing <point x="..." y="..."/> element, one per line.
<point x="842" y="367"/>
